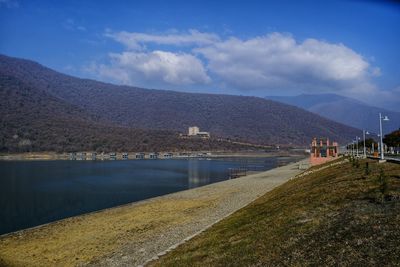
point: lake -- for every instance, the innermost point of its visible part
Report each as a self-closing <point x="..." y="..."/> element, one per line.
<point x="37" y="192"/>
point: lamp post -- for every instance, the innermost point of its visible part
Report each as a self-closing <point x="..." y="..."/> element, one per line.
<point x="379" y="144"/>
<point x="365" y="149"/>
<point x="384" y="118"/>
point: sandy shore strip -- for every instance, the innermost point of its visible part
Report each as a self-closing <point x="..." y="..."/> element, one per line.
<point x="33" y="156"/>
<point x="132" y="234"/>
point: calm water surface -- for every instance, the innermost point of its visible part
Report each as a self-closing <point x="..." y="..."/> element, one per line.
<point x="38" y="192"/>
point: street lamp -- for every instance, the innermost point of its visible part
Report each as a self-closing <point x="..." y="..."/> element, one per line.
<point x="384" y="118"/>
<point x="379" y="144"/>
<point x="365" y="150"/>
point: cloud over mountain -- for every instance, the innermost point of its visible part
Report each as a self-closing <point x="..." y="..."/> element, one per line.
<point x="266" y="63"/>
<point x="277" y="60"/>
<point x="172" y="68"/>
<point x="136" y="40"/>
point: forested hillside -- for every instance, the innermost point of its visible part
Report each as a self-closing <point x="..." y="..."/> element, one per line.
<point x="63" y="98"/>
<point x="33" y="120"/>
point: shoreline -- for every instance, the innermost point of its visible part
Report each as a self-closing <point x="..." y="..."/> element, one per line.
<point x="33" y="156"/>
<point x="134" y="233"/>
<point x="297" y="161"/>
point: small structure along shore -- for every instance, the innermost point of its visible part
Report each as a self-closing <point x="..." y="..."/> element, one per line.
<point x="323" y="151"/>
<point x="132" y="234"/>
<point x="90" y="155"/>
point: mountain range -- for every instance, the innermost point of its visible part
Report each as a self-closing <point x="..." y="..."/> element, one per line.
<point x="49" y="109"/>
<point x="345" y="110"/>
<point x="33" y="120"/>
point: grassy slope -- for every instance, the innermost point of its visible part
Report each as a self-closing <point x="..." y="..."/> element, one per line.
<point x="334" y="216"/>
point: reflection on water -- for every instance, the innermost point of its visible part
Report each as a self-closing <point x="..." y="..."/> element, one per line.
<point x="197" y="176"/>
<point x="37" y="192"/>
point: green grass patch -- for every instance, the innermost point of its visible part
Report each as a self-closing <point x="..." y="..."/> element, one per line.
<point x="341" y="215"/>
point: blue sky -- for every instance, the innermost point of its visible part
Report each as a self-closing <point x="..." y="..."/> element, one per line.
<point x="236" y="47"/>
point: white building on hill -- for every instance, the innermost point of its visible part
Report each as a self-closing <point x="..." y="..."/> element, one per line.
<point x="195" y="132"/>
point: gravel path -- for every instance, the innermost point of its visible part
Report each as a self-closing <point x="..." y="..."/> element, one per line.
<point x="133" y="234"/>
<point x="228" y="197"/>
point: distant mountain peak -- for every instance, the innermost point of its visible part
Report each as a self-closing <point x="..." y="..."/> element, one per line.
<point x="342" y="109"/>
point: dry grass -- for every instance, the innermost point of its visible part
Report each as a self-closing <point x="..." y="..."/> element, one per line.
<point x="79" y="240"/>
<point x="33" y="156"/>
<point x="336" y="216"/>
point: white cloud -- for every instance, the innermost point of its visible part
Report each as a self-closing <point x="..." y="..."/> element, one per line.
<point x="277" y="61"/>
<point x="70" y="25"/>
<point x="154" y="67"/>
<point x="81" y="28"/>
<point x="136" y="40"/>
<point x="264" y="64"/>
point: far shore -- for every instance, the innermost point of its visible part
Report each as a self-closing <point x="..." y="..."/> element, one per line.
<point x="27" y="156"/>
